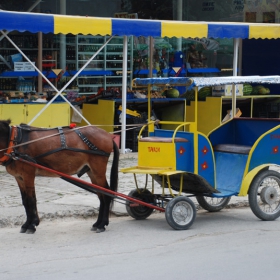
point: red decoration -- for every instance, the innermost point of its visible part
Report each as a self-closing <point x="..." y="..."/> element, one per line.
<point x="205" y="150"/>
<point x="181" y="151"/>
<point x="204" y="165"/>
<point x="72" y="125"/>
<point x="275" y="150"/>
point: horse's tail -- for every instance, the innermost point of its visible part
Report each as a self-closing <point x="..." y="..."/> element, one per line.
<point x="114" y="177"/>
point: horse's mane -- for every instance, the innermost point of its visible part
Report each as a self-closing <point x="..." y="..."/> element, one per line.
<point x="4" y="124"/>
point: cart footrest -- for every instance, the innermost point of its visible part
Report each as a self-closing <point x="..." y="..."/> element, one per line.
<point x="224" y="193"/>
<point x="151" y="170"/>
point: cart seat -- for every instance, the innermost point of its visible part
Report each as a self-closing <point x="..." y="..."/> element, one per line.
<point x="162" y="139"/>
<point x="232" y="148"/>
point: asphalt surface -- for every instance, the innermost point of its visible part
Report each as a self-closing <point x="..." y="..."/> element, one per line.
<point x="57" y="199"/>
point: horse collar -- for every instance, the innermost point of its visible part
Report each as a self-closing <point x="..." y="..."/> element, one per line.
<point x="13" y="134"/>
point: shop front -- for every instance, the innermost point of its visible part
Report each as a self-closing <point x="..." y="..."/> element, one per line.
<point x="150" y="43"/>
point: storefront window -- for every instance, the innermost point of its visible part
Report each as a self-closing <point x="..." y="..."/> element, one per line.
<point x="191" y="57"/>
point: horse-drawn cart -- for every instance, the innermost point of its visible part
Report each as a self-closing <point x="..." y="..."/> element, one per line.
<point x="240" y="157"/>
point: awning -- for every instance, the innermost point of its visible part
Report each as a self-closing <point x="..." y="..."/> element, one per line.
<point x="50" y="23"/>
<point x="211" y="81"/>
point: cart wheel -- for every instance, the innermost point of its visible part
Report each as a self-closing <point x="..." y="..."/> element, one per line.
<point x="264" y="195"/>
<point x="180" y="213"/>
<point x="213" y="204"/>
<point x="140" y="212"/>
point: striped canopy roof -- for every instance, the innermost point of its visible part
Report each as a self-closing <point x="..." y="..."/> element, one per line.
<point x="50" y="23"/>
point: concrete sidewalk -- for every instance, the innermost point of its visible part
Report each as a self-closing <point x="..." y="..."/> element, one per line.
<point x="57" y="199"/>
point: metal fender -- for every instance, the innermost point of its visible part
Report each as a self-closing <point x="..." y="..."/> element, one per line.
<point x="248" y="178"/>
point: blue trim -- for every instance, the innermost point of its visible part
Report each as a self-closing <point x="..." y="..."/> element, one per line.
<point x="144" y="72"/>
<point x="228" y="31"/>
<point x="19" y="74"/>
<point x="203" y="70"/>
<point x="122" y="27"/>
<point x="31" y="22"/>
<point x="92" y="73"/>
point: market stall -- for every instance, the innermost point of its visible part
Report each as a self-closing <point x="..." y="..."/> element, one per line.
<point x="60" y="24"/>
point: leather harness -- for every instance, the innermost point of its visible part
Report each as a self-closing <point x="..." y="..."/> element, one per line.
<point x="15" y="138"/>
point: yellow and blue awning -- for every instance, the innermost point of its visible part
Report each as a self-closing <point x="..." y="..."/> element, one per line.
<point x="51" y="23"/>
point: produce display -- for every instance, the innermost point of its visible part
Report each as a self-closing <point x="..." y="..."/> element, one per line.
<point x="115" y="93"/>
<point x="202" y="93"/>
<point x="260" y="90"/>
<point x="247" y="89"/>
<point x="172" y="93"/>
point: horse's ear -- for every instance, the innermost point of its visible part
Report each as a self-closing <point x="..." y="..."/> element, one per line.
<point x="9" y="121"/>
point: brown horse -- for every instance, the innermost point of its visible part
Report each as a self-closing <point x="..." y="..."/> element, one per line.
<point x="69" y="151"/>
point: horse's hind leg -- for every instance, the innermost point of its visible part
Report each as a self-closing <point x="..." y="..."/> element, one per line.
<point x="30" y="204"/>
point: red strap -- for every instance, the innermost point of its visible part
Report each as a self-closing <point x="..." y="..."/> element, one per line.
<point x="5" y="157"/>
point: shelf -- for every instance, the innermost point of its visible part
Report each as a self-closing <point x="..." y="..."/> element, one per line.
<point x="15" y="74"/>
<point x="103" y="66"/>
<point x="48" y="65"/>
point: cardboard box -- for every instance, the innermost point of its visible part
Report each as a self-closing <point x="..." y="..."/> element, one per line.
<point x="226" y="90"/>
<point x="229" y="114"/>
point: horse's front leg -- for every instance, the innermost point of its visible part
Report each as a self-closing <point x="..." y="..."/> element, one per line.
<point x="27" y="190"/>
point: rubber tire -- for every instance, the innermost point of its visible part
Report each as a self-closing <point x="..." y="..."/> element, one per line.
<point x="202" y="201"/>
<point x="253" y="195"/>
<point x="140" y="212"/>
<point x="187" y="204"/>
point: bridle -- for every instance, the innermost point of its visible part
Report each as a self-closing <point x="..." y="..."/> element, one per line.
<point x="13" y="135"/>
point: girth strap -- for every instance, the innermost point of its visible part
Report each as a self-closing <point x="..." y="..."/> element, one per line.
<point x="62" y="137"/>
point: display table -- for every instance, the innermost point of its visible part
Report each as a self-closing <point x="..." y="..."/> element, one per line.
<point x="57" y="114"/>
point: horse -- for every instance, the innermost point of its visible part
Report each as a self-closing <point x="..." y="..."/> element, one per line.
<point x="69" y="150"/>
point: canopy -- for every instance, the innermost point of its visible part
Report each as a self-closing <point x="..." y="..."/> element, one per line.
<point x="211" y="81"/>
<point x="50" y="23"/>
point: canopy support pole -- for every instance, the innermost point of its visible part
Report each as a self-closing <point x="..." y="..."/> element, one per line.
<point x="59" y="92"/>
<point x="179" y="18"/>
<point x="149" y="85"/>
<point x="40" y="61"/>
<point x="235" y="66"/>
<point x="62" y="39"/>
<point x="124" y="89"/>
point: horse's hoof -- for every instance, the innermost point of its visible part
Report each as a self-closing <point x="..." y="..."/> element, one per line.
<point x="100" y="230"/>
<point x="93" y="228"/>
<point x="30" y="230"/>
<point x="23" y="230"/>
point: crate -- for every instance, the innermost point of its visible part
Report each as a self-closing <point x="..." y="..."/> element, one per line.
<point x="270" y="110"/>
<point x="141" y="119"/>
<point x="226" y="90"/>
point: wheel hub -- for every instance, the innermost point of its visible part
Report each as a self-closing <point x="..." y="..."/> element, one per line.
<point x="269" y="195"/>
<point x="181" y="213"/>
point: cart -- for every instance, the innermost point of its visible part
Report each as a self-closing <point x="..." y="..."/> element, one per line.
<point x="240" y="157"/>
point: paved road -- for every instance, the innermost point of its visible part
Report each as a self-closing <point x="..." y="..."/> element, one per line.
<point x="231" y="244"/>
